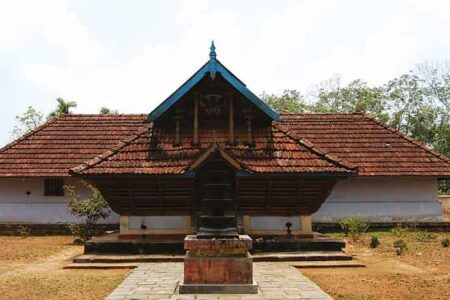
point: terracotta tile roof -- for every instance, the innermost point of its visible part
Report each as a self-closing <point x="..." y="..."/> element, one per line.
<point x="273" y="151"/>
<point x="305" y="143"/>
<point x="65" y="142"/>
<point x="375" y="148"/>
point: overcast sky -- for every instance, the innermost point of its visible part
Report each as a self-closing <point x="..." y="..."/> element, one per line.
<point x="130" y="55"/>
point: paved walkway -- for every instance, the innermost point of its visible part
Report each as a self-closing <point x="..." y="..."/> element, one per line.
<point x="276" y="280"/>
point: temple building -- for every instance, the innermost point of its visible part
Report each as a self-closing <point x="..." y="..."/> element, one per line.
<point x="214" y="153"/>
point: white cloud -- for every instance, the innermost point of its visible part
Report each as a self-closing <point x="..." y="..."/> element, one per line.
<point x="53" y="48"/>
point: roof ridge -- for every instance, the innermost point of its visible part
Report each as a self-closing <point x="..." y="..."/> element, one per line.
<point x="311" y="146"/>
<point x="408" y="138"/>
<point x="110" y="152"/>
<point x="30" y="133"/>
<point x="106" y="115"/>
<point x="323" y="113"/>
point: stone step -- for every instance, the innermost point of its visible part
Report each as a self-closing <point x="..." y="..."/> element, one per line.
<point x="303" y="256"/>
<point x="294" y="257"/>
<point x="327" y="264"/>
<point x="125" y="259"/>
<point x="111" y="265"/>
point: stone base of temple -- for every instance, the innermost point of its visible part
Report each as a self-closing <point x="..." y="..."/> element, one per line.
<point x="163" y="244"/>
<point x="218" y="288"/>
<point x="218" y="265"/>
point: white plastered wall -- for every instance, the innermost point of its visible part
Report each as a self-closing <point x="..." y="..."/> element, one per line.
<point x="16" y="206"/>
<point x="383" y="199"/>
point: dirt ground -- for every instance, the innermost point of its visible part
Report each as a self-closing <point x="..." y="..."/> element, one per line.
<point x="423" y="272"/>
<point x="32" y="268"/>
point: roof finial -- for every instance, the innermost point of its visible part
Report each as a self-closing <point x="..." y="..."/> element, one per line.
<point x="212" y="53"/>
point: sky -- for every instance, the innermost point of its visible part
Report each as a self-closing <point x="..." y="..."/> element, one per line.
<point x="131" y="55"/>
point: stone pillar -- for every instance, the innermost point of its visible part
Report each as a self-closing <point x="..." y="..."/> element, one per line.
<point x="306" y="222"/>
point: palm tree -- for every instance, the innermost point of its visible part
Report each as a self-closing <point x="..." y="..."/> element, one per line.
<point x="62" y="108"/>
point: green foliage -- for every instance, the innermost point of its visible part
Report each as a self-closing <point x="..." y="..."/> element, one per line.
<point x="291" y="101"/>
<point x="445" y="243"/>
<point x="399" y="230"/>
<point x="84" y="231"/>
<point x="374" y="242"/>
<point x="416" y="103"/>
<point x="62" y="108"/>
<point x="353" y="226"/>
<point x="400" y="247"/>
<point x="419" y="104"/>
<point x="29" y="120"/>
<point x="357" y="96"/>
<point x="444" y="187"/>
<point x="23" y="231"/>
<point x="425" y="236"/>
<point x="107" y="111"/>
<point x="91" y="209"/>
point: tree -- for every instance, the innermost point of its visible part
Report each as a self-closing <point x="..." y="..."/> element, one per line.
<point x="357" y="96"/>
<point x="436" y="80"/>
<point x="28" y="121"/>
<point x="417" y="105"/>
<point x="107" y="111"/>
<point x="290" y="101"/>
<point x="91" y="208"/>
<point x="62" y="108"/>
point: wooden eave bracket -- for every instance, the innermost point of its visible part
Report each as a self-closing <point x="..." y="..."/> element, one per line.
<point x="228" y="158"/>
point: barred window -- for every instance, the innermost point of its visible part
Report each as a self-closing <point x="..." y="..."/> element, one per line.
<point x="53" y="187"/>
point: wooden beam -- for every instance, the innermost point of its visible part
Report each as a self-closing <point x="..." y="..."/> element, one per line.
<point x="196" y="99"/>
<point x="231" y="118"/>
<point x="178" y="115"/>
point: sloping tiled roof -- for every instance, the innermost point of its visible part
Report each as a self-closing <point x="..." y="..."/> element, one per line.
<point x="371" y="145"/>
<point x="63" y="143"/>
<point x="153" y="152"/>
<point x="305" y="143"/>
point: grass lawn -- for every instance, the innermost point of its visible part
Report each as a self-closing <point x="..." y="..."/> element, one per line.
<point x="422" y="272"/>
<point x="31" y="268"/>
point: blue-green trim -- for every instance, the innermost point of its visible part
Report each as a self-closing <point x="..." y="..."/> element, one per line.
<point x="212" y="67"/>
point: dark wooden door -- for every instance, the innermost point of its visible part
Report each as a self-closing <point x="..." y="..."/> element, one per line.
<point x="215" y="198"/>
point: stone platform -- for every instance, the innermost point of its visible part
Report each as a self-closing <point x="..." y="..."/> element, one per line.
<point x="218" y="265"/>
<point x="111" y="244"/>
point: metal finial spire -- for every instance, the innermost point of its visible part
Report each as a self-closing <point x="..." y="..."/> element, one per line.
<point x="212" y="53"/>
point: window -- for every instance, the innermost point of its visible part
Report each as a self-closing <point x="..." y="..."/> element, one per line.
<point x="53" y="187"/>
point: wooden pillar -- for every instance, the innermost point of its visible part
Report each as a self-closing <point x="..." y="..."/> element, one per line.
<point x="196" y="100"/>
<point x="231" y="118"/>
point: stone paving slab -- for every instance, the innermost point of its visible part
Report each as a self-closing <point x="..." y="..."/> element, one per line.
<point x="276" y="280"/>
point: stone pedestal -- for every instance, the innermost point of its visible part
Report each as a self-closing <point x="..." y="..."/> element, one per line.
<point x="215" y="266"/>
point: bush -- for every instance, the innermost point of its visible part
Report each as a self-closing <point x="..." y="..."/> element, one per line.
<point x="425" y="236"/>
<point x="374" y="242"/>
<point x="91" y="209"/>
<point x="445" y="243"/>
<point x="353" y="226"/>
<point x="23" y="231"/>
<point x="84" y="231"/>
<point x="400" y="247"/>
<point x="399" y="230"/>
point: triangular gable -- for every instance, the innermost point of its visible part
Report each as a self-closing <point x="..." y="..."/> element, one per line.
<point x="227" y="157"/>
<point x="212" y="67"/>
